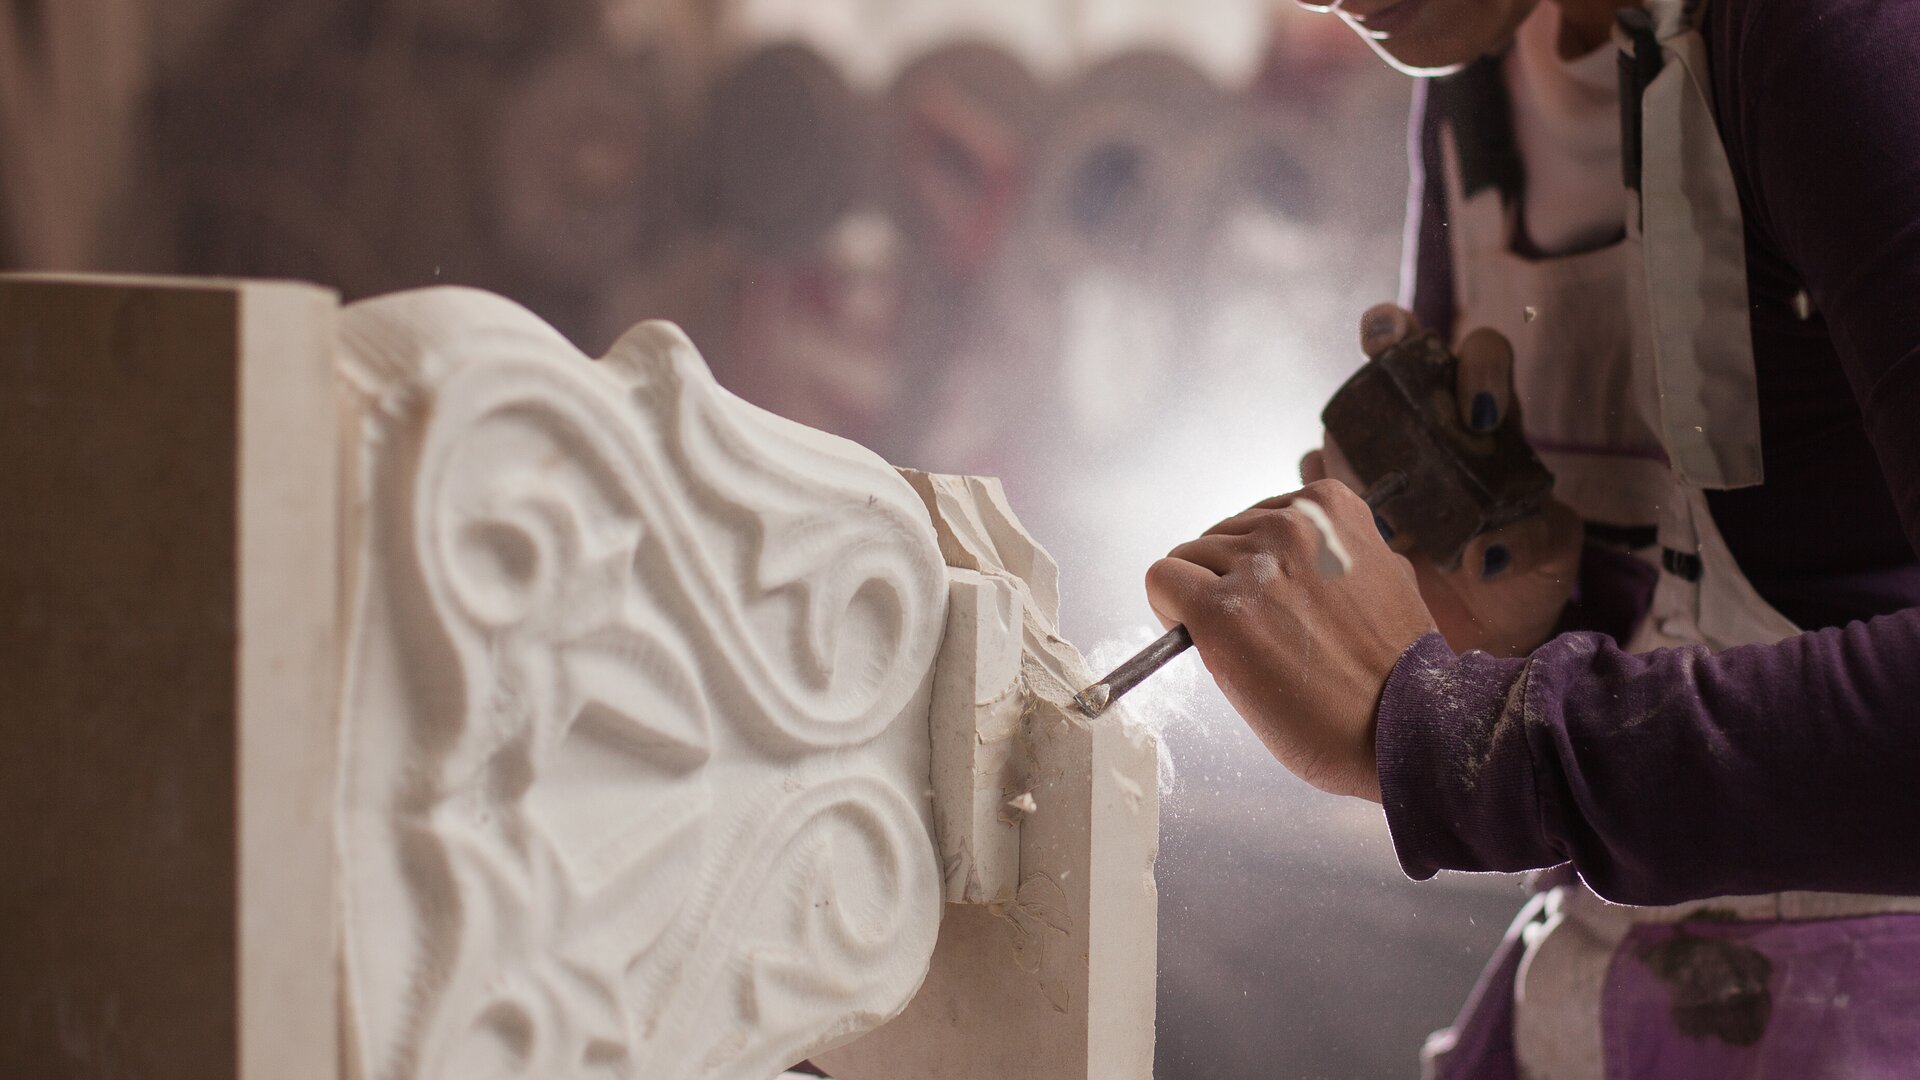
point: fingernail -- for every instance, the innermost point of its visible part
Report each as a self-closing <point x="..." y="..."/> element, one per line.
<point x="1378" y="326"/>
<point x="1486" y="414"/>
<point x="1495" y="561"/>
<point x="1386" y="530"/>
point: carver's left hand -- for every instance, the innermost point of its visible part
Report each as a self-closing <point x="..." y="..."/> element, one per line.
<point x="1303" y="657"/>
<point x="1509" y="590"/>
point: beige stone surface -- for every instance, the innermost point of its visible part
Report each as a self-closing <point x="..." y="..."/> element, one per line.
<point x="167" y="674"/>
<point x="1057" y="984"/>
<point x="978" y="713"/>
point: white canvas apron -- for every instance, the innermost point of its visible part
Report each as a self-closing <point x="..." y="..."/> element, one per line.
<point x="1634" y="372"/>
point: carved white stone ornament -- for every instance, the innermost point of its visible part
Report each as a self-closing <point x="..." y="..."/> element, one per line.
<point x="1052" y="977"/>
<point x="635" y="761"/>
<point x="663" y="724"/>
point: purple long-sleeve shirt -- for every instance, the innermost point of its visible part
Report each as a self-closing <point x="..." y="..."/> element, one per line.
<point x="1677" y="774"/>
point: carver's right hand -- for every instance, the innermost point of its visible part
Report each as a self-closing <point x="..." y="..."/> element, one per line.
<point x="1302" y="654"/>
<point x="1512" y="584"/>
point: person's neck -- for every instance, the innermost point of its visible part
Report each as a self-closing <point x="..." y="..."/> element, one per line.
<point x="1585" y="25"/>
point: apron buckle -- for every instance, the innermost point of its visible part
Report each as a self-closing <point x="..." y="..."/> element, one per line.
<point x="1685" y="565"/>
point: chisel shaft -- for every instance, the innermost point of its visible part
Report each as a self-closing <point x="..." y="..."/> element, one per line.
<point x="1094" y="699"/>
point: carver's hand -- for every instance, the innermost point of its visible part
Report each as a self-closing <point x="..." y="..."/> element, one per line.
<point x="1511" y="585"/>
<point x="1303" y="656"/>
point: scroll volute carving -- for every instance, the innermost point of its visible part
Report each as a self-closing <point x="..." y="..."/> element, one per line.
<point x="635" y="735"/>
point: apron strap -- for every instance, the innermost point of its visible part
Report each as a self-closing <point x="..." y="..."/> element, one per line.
<point x="1694" y="241"/>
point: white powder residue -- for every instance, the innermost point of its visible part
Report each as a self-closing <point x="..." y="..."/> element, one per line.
<point x="1330" y="558"/>
<point x="1170" y="699"/>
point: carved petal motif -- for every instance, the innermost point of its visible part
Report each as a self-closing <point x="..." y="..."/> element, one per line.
<point x="635" y="738"/>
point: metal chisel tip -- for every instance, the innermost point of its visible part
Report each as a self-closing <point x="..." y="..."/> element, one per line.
<point x="1093" y="699"/>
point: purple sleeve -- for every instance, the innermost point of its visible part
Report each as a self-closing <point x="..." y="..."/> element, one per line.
<point x="1676" y="774"/>
<point x="1819" y="107"/>
<point x="1665" y="776"/>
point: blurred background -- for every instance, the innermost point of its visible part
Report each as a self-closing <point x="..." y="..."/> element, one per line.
<point x="1112" y="251"/>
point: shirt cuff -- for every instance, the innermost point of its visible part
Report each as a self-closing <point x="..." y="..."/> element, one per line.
<point x="1455" y="764"/>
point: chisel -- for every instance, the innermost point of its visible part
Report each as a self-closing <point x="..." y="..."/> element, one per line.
<point x="1397" y="424"/>
<point x="1094" y="699"/>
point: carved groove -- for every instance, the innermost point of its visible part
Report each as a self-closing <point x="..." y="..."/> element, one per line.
<point x="671" y="819"/>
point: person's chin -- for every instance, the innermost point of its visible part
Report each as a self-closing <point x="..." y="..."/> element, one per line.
<point x="1416" y="43"/>
<point x="1421" y="59"/>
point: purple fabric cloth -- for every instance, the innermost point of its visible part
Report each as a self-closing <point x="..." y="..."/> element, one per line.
<point x="1611" y="594"/>
<point x="1679" y="775"/>
<point x="1819" y="109"/>
<point x="1665" y="776"/>
<point x="1479" y="1046"/>
<point x="1822" y="1000"/>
